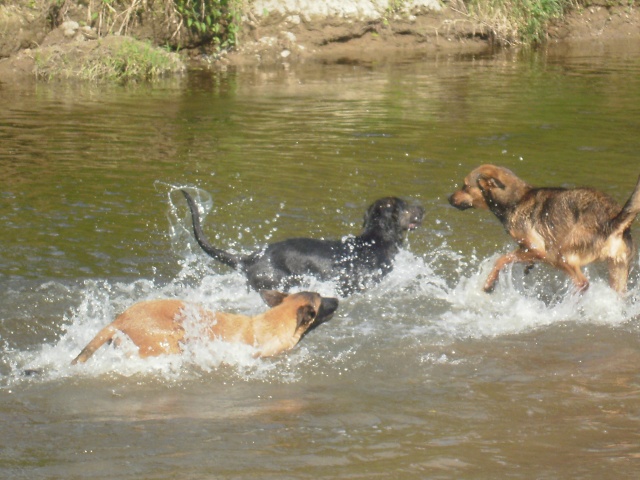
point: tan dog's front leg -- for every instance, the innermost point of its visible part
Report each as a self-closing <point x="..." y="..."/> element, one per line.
<point x="519" y="255"/>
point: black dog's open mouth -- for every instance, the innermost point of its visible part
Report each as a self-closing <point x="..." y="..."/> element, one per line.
<point x="415" y="218"/>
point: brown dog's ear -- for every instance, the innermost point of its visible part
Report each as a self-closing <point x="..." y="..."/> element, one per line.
<point x="306" y="315"/>
<point x="273" y="298"/>
<point x="491" y="182"/>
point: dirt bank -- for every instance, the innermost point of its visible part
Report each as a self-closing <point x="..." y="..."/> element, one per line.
<point x="287" y="32"/>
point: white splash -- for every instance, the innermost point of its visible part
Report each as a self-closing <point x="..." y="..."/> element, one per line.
<point x="433" y="299"/>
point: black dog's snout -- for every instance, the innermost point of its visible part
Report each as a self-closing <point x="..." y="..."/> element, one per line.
<point x="418" y="213"/>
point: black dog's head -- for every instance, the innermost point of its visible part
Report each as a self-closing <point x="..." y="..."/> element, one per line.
<point x="392" y="217"/>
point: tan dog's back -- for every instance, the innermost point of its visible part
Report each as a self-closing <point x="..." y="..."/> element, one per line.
<point x="156" y="326"/>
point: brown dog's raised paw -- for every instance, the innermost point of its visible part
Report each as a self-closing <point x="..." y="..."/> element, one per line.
<point x="489" y="288"/>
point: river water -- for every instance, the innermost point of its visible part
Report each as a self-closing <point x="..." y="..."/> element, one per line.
<point x="422" y="376"/>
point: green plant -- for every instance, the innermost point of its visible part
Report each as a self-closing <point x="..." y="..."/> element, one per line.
<point x="536" y="16"/>
<point x="215" y="20"/>
<point x="517" y="21"/>
<point x="113" y="59"/>
<point x="131" y="60"/>
<point x="394" y="7"/>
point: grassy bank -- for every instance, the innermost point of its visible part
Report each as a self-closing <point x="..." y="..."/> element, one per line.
<point x="216" y="23"/>
<point x="183" y="22"/>
<point x="112" y="58"/>
<point x="518" y="21"/>
<point x="526" y="22"/>
<point x="202" y="28"/>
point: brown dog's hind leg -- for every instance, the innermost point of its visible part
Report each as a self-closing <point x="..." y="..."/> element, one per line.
<point x="618" y="275"/>
<point x="578" y="278"/>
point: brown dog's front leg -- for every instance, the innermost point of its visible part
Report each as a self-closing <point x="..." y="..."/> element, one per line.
<point x="492" y="279"/>
<point x="527" y="256"/>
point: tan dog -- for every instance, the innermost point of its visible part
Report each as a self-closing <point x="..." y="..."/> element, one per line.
<point x="567" y="228"/>
<point x="155" y="326"/>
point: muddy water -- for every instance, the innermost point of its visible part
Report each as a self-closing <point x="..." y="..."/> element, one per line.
<point x="423" y="376"/>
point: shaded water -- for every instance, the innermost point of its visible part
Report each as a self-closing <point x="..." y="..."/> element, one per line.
<point x="423" y="376"/>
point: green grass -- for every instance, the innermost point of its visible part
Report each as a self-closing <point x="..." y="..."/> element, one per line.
<point x="518" y="21"/>
<point x="115" y="59"/>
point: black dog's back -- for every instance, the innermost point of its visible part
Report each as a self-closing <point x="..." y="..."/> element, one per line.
<point x="286" y="263"/>
<point x="353" y="262"/>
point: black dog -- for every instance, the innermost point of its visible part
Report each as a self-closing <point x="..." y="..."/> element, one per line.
<point x="353" y="263"/>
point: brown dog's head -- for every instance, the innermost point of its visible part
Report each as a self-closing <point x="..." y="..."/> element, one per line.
<point x="312" y="308"/>
<point x="489" y="187"/>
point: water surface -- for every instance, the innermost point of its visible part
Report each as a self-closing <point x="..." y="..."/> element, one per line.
<point x="423" y="376"/>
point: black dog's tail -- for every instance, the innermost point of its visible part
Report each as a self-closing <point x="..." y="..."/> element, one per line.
<point x="227" y="258"/>
<point x="627" y="215"/>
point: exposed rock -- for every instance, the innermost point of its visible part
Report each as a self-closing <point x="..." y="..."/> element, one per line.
<point x="352" y="9"/>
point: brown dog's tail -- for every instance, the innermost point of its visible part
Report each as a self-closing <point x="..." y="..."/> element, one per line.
<point x="227" y="258"/>
<point x="627" y="215"/>
<point x="105" y="335"/>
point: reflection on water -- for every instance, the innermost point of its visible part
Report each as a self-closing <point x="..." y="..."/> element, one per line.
<point x="424" y="376"/>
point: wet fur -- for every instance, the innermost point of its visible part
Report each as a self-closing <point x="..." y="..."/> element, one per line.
<point x="155" y="326"/>
<point x="353" y="262"/>
<point x="566" y="228"/>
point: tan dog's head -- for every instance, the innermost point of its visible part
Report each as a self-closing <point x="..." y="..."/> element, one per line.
<point x="488" y="187"/>
<point x="312" y="308"/>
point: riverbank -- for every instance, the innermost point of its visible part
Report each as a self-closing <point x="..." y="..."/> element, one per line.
<point x="285" y="33"/>
<point x="446" y="30"/>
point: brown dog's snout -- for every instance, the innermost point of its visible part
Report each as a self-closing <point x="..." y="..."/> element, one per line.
<point x="460" y="200"/>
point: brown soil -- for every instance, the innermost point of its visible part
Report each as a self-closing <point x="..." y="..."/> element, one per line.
<point x="278" y="41"/>
<point x="331" y="40"/>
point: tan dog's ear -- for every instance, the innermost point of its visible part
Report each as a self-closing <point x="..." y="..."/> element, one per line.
<point x="273" y="298"/>
<point x="306" y="316"/>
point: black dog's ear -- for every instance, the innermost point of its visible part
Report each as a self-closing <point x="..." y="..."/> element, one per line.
<point x="306" y="315"/>
<point x="273" y="298"/>
<point x="490" y="182"/>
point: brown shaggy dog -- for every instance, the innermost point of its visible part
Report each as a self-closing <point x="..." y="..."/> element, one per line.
<point x="566" y="228"/>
